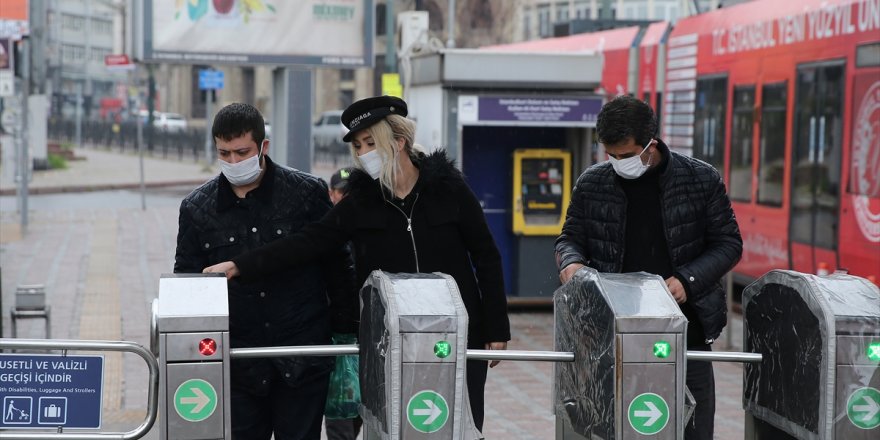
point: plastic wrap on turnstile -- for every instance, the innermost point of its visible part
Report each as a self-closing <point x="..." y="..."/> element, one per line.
<point x="793" y="319"/>
<point x="410" y="297"/>
<point x="589" y="311"/>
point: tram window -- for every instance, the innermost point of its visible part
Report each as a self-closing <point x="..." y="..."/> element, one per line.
<point x="709" y="121"/>
<point x="771" y="156"/>
<point x="868" y="55"/>
<point x="741" y="143"/>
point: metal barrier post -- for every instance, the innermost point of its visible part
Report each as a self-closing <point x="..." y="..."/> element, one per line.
<point x="820" y="338"/>
<point x="192" y="321"/>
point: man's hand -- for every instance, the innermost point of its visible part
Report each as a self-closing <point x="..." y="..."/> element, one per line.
<point x="676" y="289"/>
<point x="495" y="346"/>
<point x="568" y="271"/>
<point x="227" y="267"/>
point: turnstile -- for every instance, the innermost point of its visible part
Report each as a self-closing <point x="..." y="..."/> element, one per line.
<point x="820" y="337"/>
<point x="413" y="340"/>
<point x="192" y="320"/>
<point x="627" y="380"/>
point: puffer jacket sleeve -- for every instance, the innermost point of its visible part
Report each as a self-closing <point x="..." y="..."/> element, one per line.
<point x="188" y="258"/>
<point x="723" y="242"/>
<point x="570" y="244"/>
<point x="487" y="265"/>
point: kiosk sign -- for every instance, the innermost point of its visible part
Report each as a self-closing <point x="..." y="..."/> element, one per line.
<point x="45" y="391"/>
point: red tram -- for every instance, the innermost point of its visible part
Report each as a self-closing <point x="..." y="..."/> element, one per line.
<point x="784" y="97"/>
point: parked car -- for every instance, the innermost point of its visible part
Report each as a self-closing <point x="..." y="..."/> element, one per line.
<point x="328" y="131"/>
<point x="170" y="122"/>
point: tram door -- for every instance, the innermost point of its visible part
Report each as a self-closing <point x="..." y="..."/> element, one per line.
<point x="816" y="167"/>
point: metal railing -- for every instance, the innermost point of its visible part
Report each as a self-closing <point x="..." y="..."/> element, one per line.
<point x="66" y="345"/>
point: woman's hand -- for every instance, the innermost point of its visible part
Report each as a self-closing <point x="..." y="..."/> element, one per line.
<point x="495" y="346"/>
<point x="227" y="267"/>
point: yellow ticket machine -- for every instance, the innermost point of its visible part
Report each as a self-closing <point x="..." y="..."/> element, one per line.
<point x="541" y="193"/>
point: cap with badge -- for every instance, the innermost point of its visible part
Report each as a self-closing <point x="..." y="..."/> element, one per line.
<point x="339" y="179"/>
<point x="369" y="111"/>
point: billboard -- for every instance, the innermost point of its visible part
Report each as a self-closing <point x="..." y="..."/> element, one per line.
<point x="13" y="19"/>
<point x="335" y="33"/>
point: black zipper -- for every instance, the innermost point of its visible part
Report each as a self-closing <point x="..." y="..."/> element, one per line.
<point x="409" y="226"/>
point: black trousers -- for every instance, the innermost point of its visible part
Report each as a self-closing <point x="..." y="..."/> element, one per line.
<point x="476" y="383"/>
<point x="289" y="413"/>
<point x="701" y="381"/>
<point x="343" y="429"/>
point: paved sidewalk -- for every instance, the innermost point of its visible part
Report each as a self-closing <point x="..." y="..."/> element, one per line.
<point x="100" y="169"/>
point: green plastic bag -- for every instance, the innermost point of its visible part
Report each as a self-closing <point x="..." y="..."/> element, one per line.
<point x="344" y="393"/>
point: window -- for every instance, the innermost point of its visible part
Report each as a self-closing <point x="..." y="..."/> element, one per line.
<point x="709" y="121"/>
<point x="582" y="10"/>
<point x="544" y="29"/>
<point x="72" y="22"/>
<point x="380" y="18"/>
<point x="346" y="74"/>
<point x="771" y="155"/>
<point x="741" y="131"/>
<point x="561" y="12"/>
<point x="72" y="53"/>
<point x="527" y="24"/>
<point x="102" y="26"/>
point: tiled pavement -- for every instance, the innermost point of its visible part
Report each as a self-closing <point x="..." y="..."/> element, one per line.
<point x="101" y="269"/>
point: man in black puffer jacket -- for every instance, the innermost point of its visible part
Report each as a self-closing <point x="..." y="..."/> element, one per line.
<point x="253" y="202"/>
<point x="650" y="209"/>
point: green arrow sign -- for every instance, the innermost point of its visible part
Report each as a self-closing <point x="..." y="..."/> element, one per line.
<point x="195" y="400"/>
<point x="648" y="413"/>
<point x="863" y="408"/>
<point x="427" y="411"/>
<point x="662" y="349"/>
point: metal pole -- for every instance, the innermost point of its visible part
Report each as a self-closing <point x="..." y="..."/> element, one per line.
<point x="310" y="350"/>
<point x="140" y="142"/>
<point x="450" y="38"/>
<point x="79" y="102"/>
<point x="122" y="346"/>
<point x="24" y="157"/>
<point x="724" y="356"/>
<point x="208" y="141"/>
<point x="520" y="355"/>
<point x="353" y="349"/>
<point x="729" y="288"/>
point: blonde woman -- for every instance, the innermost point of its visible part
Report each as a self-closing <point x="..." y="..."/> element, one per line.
<point x="406" y="212"/>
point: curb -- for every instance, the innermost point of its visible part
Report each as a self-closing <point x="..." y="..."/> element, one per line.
<point x="100" y="187"/>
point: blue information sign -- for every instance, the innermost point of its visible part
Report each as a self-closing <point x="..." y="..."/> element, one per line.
<point x="210" y="79"/>
<point x="46" y="391"/>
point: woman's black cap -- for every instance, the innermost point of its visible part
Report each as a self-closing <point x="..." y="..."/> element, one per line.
<point x="369" y="111"/>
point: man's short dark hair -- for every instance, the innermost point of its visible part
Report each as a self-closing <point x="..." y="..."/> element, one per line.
<point x="236" y="120"/>
<point x="339" y="179"/>
<point x="624" y="117"/>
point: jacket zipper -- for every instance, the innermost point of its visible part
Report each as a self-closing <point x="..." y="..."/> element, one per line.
<point x="409" y="227"/>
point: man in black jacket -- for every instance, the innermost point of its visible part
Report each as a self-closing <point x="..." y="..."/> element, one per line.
<point x="650" y="209"/>
<point x="253" y="202"/>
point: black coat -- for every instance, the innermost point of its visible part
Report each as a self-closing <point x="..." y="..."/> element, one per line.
<point x="701" y="230"/>
<point x="449" y="235"/>
<point x="284" y="308"/>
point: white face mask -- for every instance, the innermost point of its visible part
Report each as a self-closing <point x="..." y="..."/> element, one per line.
<point x="244" y="172"/>
<point x="631" y="167"/>
<point x="372" y="163"/>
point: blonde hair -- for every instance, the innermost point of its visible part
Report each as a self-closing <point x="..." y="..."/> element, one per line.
<point x="385" y="134"/>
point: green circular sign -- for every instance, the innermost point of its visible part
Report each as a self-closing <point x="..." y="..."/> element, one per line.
<point x="863" y="408"/>
<point x="648" y="413"/>
<point x="427" y="411"/>
<point x="873" y="351"/>
<point x="195" y="400"/>
<point x="442" y="349"/>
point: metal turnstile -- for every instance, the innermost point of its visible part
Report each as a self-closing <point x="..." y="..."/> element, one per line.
<point x="192" y="322"/>
<point x="627" y="380"/>
<point x="413" y="340"/>
<point x="820" y="338"/>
